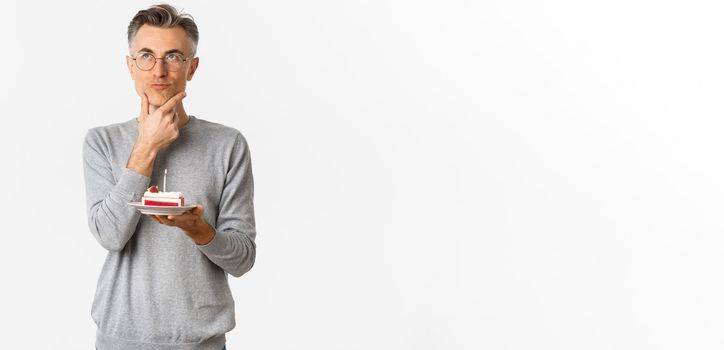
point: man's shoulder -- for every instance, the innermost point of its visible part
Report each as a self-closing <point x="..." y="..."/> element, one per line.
<point x="112" y="130"/>
<point x="218" y="129"/>
<point x="114" y="127"/>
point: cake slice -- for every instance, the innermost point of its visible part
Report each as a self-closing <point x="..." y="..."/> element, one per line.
<point x="152" y="196"/>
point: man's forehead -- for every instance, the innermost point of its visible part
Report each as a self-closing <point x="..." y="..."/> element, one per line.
<point x="161" y="40"/>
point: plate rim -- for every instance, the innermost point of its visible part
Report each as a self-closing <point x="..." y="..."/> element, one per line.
<point x="160" y="210"/>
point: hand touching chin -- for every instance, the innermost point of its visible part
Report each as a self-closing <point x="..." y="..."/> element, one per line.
<point x="159" y="97"/>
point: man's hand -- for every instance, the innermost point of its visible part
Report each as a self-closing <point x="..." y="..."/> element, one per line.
<point x="191" y="222"/>
<point x="157" y="129"/>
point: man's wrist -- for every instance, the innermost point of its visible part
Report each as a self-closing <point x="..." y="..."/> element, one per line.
<point x="203" y="234"/>
<point x="142" y="159"/>
<point x="144" y="148"/>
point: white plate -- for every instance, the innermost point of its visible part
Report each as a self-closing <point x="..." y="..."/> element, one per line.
<point x="159" y="210"/>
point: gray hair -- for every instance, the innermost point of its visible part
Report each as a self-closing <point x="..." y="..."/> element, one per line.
<point x="164" y="16"/>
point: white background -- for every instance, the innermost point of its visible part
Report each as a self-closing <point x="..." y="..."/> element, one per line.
<point x="429" y="174"/>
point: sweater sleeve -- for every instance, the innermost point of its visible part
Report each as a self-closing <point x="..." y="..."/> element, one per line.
<point x="233" y="247"/>
<point x="111" y="220"/>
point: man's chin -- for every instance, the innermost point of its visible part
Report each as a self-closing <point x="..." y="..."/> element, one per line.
<point x="159" y="98"/>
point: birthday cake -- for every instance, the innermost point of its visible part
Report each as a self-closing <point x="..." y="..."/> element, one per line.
<point x="153" y="196"/>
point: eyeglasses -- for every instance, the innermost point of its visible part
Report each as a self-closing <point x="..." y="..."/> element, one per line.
<point x="173" y="60"/>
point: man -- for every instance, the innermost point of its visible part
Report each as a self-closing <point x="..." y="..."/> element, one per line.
<point x="164" y="282"/>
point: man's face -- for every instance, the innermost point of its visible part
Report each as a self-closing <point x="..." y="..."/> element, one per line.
<point x="159" y="83"/>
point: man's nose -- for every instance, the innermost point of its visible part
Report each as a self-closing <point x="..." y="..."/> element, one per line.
<point x="160" y="69"/>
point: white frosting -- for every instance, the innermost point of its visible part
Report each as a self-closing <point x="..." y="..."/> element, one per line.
<point x="162" y="194"/>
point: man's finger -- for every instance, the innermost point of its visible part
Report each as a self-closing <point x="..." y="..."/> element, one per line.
<point x="164" y="221"/>
<point x="159" y="218"/>
<point x="144" y="105"/>
<point x="173" y="101"/>
<point x="171" y="113"/>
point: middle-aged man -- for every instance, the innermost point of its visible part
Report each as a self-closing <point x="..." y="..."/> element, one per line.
<point x="164" y="281"/>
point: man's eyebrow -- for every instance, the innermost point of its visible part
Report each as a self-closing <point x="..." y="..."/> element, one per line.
<point x="165" y="53"/>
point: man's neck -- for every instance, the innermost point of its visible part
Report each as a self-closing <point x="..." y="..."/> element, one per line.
<point x="183" y="118"/>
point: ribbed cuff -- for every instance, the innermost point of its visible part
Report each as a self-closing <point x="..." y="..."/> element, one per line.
<point x="132" y="185"/>
<point x="217" y="245"/>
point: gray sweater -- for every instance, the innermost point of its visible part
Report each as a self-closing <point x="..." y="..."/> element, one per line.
<point x="158" y="289"/>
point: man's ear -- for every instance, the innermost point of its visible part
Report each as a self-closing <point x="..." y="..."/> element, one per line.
<point x="129" y="63"/>
<point x="192" y="69"/>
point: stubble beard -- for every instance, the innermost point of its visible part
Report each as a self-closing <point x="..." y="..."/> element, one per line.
<point x="159" y="98"/>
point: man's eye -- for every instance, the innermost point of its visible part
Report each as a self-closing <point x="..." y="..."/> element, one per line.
<point x="146" y="56"/>
<point x="172" y="57"/>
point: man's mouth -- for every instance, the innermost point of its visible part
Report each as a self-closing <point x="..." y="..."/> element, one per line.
<point x="160" y="86"/>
